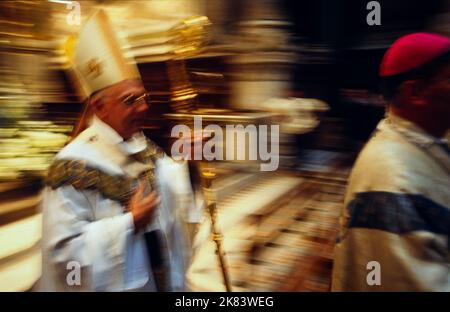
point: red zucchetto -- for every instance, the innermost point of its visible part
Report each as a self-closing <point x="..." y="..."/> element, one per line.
<point x="412" y="51"/>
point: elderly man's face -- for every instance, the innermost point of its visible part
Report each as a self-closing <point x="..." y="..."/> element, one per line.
<point x="115" y="105"/>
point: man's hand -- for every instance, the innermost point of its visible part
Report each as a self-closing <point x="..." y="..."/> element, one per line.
<point x="142" y="207"/>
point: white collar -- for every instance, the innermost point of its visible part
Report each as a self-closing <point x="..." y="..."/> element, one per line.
<point x="412" y="131"/>
<point x="435" y="147"/>
<point x="135" y="144"/>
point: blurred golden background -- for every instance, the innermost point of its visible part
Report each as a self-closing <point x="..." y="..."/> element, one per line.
<point x="309" y="66"/>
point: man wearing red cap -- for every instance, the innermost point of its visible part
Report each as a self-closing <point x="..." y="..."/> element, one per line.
<point x="396" y="225"/>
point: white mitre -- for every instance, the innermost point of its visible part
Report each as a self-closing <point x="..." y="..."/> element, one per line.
<point x="96" y="56"/>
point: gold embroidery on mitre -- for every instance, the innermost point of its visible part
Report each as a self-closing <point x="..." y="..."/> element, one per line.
<point x="94" y="67"/>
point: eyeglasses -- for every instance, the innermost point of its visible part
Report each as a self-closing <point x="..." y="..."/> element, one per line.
<point x="132" y="99"/>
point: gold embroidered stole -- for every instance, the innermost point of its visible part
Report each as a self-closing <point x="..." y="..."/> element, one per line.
<point x="81" y="175"/>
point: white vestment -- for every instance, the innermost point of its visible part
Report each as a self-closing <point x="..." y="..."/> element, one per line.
<point x="83" y="228"/>
<point x="396" y="223"/>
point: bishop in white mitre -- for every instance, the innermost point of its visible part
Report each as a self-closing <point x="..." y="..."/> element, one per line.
<point x="114" y="204"/>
